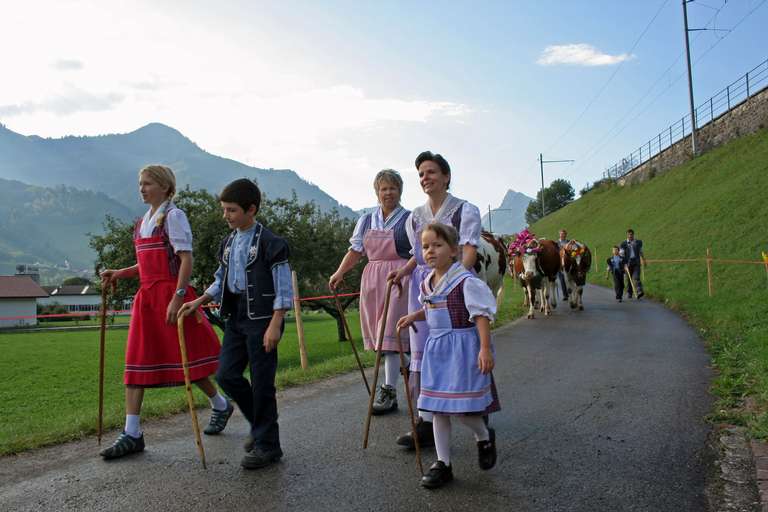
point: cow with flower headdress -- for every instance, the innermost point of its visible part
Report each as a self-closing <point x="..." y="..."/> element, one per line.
<point x="525" y="266"/>
<point x="576" y="259"/>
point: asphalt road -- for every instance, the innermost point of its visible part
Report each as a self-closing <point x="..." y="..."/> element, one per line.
<point x="602" y="411"/>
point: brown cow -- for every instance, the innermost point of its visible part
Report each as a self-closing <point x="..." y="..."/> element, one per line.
<point x="576" y="260"/>
<point x="525" y="268"/>
<point x="549" y="262"/>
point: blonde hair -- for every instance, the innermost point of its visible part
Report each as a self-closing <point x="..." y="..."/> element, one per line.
<point x="164" y="177"/>
<point x="389" y="175"/>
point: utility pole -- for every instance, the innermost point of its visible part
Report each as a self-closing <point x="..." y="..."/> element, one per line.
<point x="541" y="166"/>
<point x="690" y="77"/>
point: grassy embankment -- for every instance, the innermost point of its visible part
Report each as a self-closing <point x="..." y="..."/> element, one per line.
<point x="719" y="201"/>
<point x="50" y="379"/>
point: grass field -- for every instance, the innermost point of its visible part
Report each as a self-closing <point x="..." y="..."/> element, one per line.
<point x="49" y="380"/>
<point x="716" y="201"/>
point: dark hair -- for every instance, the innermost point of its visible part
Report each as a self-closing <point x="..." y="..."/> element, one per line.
<point x="428" y="156"/>
<point x="244" y="192"/>
<point x="630" y="230"/>
<point x="444" y="232"/>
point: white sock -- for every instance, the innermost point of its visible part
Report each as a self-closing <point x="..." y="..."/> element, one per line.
<point x="426" y="415"/>
<point x="477" y="425"/>
<point x="391" y="368"/>
<point x="132" y="425"/>
<point x="441" y="426"/>
<point x="218" y="402"/>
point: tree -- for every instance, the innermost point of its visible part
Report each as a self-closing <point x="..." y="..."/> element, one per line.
<point x="76" y="281"/>
<point x="558" y="194"/>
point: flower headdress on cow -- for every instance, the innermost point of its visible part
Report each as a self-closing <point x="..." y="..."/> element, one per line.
<point x="524" y="242"/>
<point x="575" y="248"/>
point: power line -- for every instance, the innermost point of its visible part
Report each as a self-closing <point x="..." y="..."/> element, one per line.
<point x="613" y="134"/>
<point x="610" y="78"/>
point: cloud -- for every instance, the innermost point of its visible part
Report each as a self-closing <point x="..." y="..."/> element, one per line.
<point x="68" y="65"/>
<point x="72" y="100"/>
<point x="579" y="55"/>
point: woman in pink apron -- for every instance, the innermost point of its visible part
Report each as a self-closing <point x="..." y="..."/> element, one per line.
<point x="163" y="243"/>
<point x="380" y="236"/>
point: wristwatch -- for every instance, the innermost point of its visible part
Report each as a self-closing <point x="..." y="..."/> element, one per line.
<point x="181" y="292"/>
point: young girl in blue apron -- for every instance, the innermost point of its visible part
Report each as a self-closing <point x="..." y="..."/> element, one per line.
<point x="456" y="366"/>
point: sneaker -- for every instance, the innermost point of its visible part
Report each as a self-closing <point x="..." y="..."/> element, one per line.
<point x="248" y="444"/>
<point x="386" y="400"/>
<point x="219" y="420"/>
<point x="425" y="433"/>
<point x="640" y="295"/>
<point x="486" y="451"/>
<point x="259" y="458"/>
<point x="124" y="445"/>
<point x="438" y="475"/>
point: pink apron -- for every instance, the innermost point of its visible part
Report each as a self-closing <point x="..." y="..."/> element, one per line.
<point x="382" y="259"/>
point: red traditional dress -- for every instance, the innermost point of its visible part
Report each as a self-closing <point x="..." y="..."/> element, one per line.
<point x="152" y="354"/>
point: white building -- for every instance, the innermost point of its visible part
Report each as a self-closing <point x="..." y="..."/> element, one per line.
<point x="18" y="298"/>
<point x="76" y="298"/>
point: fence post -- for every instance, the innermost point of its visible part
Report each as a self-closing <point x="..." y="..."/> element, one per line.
<point x="659" y="142"/>
<point x="670" y="135"/>
<point x="649" y="150"/>
<point x="747" y="76"/>
<point x="709" y="271"/>
<point x="711" y="111"/>
<point x="299" y="323"/>
<point x="728" y="95"/>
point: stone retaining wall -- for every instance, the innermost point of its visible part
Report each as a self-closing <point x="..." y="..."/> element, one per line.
<point x="748" y="117"/>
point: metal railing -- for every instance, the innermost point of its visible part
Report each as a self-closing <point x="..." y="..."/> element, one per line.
<point x="736" y="93"/>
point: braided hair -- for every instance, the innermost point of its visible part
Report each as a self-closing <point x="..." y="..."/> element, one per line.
<point x="164" y="177"/>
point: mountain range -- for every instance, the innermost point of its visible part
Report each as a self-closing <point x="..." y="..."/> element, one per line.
<point x="110" y="163"/>
<point x="509" y="217"/>
<point x="53" y="192"/>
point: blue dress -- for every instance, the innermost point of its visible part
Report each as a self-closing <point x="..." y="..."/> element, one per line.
<point x="451" y="382"/>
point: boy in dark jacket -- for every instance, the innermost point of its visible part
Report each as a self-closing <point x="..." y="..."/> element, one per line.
<point x="253" y="286"/>
<point x="616" y="265"/>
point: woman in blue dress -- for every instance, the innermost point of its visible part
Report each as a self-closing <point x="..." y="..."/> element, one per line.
<point x="441" y="206"/>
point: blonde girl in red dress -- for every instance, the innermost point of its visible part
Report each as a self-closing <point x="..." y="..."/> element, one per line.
<point x="163" y="243"/>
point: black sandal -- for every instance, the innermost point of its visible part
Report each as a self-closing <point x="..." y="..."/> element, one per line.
<point x="124" y="445"/>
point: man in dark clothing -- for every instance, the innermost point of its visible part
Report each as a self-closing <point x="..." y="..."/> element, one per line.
<point x="632" y="250"/>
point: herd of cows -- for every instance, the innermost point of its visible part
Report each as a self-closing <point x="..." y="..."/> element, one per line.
<point x="535" y="264"/>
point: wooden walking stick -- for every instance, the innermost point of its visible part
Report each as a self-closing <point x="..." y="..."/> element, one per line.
<point x="102" y="340"/>
<point x="631" y="282"/>
<point x="188" y="387"/>
<point x="351" y="341"/>
<point x="404" y="369"/>
<point x="379" y="345"/>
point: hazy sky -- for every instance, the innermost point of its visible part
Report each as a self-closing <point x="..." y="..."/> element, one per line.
<point x="339" y="90"/>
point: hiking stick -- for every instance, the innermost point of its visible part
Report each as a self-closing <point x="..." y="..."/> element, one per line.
<point x="631" y="282"/>
<point x="351" y="342"/>
<point x="188" y="388"/>
<point x="379" y="345"/>
<point x="404" y="369"/>
<point x="102" y="338"/>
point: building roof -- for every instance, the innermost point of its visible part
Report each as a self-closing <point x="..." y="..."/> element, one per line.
<point x="20" y="287"/>
<point x="75" y="289"/>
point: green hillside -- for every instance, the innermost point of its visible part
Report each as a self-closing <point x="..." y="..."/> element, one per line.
<point x="719" y="201"/>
